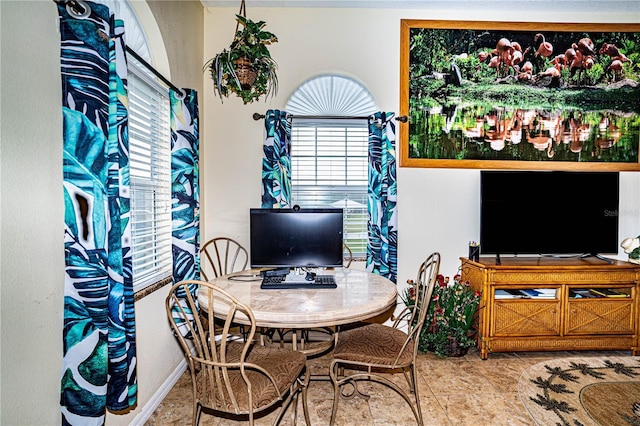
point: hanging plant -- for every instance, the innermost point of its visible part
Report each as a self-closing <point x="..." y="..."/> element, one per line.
<point x="246" y="67"/>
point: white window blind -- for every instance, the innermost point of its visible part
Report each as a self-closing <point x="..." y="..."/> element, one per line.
<point x="150" y="163"/>
<point x="329" y="155"/>
<point x="329" y="169"/>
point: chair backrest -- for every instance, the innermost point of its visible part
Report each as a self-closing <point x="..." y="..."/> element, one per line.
<point x="215" y="356"/>
<point x="349" y="258"/>
<point x="222" y="256"/>
<point x="423" y="287"/>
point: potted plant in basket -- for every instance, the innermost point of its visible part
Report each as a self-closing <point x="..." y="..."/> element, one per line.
<point x="246" y="67"/>
<point x="449" y="326"/>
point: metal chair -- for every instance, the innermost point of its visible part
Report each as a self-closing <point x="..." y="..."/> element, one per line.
<point x="373" y="349"/>
<point x="231" y="375"/>
<point x="349" y="258"/>
<point x="222" y="256"/>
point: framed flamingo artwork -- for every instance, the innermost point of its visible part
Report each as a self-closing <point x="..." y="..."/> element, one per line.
<point x="520" y="95"/>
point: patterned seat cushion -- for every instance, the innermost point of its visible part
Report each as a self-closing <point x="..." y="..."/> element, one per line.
<point x="374" y="344"/>
<point x="284" y="366"/>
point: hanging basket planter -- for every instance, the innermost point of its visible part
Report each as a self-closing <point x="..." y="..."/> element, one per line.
<point x="247" y="75"/>
<point x="246" y="68"/>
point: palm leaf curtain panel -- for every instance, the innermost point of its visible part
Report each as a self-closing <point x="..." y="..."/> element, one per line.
<point x="99" y="360"/>
<point x="185" y="175"/>
<point x="382" y="226"/>
<point x="276" y="160"/>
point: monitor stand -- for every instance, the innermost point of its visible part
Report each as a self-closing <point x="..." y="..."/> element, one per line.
<point x="599" y="256"/>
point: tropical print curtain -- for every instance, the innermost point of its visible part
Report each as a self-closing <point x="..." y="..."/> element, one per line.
<point x="99" y="362"/>
<point x="382" y="226"/>
<point x="276" y="160"/>
<point x="185" y="208"/>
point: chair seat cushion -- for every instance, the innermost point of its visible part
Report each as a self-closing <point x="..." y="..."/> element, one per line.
<point x="283" y="365"/>
<point x="374" y="344"/>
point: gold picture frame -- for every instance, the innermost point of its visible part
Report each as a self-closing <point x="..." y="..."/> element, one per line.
<point x="496" y="95"/>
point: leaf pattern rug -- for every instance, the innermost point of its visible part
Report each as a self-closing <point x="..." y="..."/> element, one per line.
<point x="583" y="391"/>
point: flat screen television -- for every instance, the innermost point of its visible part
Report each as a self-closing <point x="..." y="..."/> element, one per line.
<point x="295" y="238"/>
<point x="549" y="213"/>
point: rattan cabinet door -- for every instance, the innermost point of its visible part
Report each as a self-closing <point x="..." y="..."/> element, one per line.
<point x="523" y="317"/>
<point x="599" y="316"/>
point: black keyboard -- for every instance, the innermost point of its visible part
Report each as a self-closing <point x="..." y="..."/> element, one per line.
<point x="278" y="282"/>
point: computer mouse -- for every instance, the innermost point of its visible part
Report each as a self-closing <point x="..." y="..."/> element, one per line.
<point x="310" y="276"/>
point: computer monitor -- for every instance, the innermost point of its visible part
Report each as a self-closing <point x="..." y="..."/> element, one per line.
<point x="294" y="238"/>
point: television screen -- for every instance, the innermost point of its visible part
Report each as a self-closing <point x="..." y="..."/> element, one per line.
<point x="296" y="238"/>
<point x="549" y="213"/>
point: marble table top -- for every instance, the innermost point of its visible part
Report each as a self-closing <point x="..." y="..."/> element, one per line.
<point x="359" y="295"/>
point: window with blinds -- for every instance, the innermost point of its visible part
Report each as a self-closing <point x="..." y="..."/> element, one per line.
<point x="329" y="169"/>
<point x="150" y="163"/>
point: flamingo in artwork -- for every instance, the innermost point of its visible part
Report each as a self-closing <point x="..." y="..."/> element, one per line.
<point x="545" y="48"/>
<point x="527" y="67"/>
<point x="504" y="51"/>
<point x="494" y="62"/>
<point x="613" y="52"/>
<point x="552" y="72"/>
<point x="615" y="70"/>
<point x="609" y="49"/>
<point x="585" y="45"/>
<point x="560" y="61"/>
<point x="580" y="64"/>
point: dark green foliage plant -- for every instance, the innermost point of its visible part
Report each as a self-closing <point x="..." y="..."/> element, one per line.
<point x="451" y="315"/>
<point x="249" y="44"/>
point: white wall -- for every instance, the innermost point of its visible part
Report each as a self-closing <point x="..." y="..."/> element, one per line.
<point x="31" y="267"/>
<point x="438" y="208"/>
<point x="32" y="211"/>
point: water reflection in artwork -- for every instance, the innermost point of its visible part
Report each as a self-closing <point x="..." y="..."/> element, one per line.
<point x="453" y="132"/>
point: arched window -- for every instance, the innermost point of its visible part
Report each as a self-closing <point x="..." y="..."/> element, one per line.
<point x="329" y="137"/>
<point x="135" y="36"/>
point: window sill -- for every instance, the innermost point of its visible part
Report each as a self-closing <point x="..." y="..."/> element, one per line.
<point x="151" y="288"/>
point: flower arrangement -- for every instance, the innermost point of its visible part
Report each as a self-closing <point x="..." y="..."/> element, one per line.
<point x="450" y="316"/>
<point x="246" y="68"/>
<point x="631" y="246"/>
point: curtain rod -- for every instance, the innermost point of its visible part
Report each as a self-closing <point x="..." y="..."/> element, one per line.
<point x="401" y="118"/>
<point x="81" y="10"/>
<point x="155" y="72"/>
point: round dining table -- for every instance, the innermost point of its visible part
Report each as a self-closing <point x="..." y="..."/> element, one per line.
<point x="359" y="296"/>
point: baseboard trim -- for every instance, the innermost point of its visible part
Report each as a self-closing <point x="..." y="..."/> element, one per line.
<point x="159" y="396"/>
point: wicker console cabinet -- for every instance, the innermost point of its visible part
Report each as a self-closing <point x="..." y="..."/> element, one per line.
<point x="550" y="304"/>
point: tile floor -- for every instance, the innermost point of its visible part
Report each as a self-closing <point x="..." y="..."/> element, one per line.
<point x="453" y="391"/>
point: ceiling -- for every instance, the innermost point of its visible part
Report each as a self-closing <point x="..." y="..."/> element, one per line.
<point x="315" y="3"/>
<point x="632" y="6"/>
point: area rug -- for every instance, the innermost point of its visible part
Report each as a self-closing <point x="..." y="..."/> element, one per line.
<point x="583" y="391"/>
